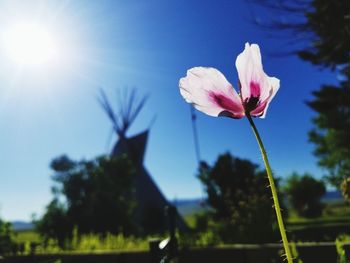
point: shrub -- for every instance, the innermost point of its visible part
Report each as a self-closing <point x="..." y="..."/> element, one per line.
<point x="304" y="194"/>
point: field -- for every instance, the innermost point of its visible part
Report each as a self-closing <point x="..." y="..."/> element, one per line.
<point x="84" y="244"/>
<point x="306" y="233"/>
<point x="26" y="236"/>
<point x="334" y="221"/>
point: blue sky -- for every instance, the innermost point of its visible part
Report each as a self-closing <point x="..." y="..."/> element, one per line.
<point x="51" y="109"/>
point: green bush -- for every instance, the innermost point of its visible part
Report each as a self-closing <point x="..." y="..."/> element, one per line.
<point x="340" y="243"/>
<point x="240" y="201"/>
<point x="6" y="242"/>
<point x="99" y="198"/>
<point x="304" y="194"/>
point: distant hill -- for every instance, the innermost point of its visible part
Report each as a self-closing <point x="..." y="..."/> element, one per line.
<point x="21" y="225"/>
<point x="191" y="206"/>
<point x="187" y="207"/>
<point x="332" y="196"/>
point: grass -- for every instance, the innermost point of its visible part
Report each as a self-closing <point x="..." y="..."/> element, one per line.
<point x="83" y="244"/>
<point x="334" y="221"/>
<point x="26" y="236"/>
<point x="190" y="220"/>
<point x="333" y="213"/>
<point x="337" y="211"/>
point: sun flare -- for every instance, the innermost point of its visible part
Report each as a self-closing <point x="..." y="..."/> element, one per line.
<point x="30" y="44"/>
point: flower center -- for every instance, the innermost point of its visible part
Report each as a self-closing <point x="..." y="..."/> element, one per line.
<point x="252" y="102"/>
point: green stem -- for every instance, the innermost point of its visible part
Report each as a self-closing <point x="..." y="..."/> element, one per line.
<point x="273" y="190"/>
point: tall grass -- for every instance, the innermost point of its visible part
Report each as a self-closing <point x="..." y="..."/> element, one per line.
<point x="85" y="244"/>
<point x="341" y="242"/>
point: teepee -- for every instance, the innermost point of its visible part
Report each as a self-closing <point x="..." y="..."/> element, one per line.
<point x="150" y="200"/>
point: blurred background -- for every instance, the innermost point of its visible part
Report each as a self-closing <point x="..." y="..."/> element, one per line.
<point x="96" y="140"/>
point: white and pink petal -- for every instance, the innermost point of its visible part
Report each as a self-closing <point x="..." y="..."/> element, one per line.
<point x="275" y="85"/>
<point x="210" y="92"/>
<point x="257" y="88"/>
<point x="250" y="72"/>
<point x="261" y="109"/>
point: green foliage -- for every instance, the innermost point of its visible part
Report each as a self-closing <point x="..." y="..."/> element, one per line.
<point x="304" y="193"/>
<point x="241" y="201"/>
<point x="88" y="243"/>
<point x="323" y="38"/>
<point x="331" y="131"/>
<point x="206" y="238"/>
<point x="295" y="253"/>
<point x="333" y="213"/>
<point x="335" y="220"/>
<point x="26" y="236"/>
<point x="318" y="29"/>
<point x="6" y="241"/>
<point x="55" y="222"/>
<point x="201" y="222"/>
<point x="328" y="22"/>
<point x="99" y="198"/>
<point x="341" y="242"/>
<point x="345" y="188"/>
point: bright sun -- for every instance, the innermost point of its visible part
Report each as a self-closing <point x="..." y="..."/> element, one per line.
<point x="30" y="44"/>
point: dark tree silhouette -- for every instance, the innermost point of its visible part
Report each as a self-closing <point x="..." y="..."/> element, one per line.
<point x="321" y="31"/>
<point x="316" y="30"/>
<point x="6" y="242"/>
<point x="331" y="130"/>
<point x="304" y="193"/>
<point x="237" y="191"/>
<point x="55" y="223"/>
<point x="99" y="197"/>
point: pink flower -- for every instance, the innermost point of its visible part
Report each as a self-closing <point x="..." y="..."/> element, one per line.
<point x="210" y="92"/>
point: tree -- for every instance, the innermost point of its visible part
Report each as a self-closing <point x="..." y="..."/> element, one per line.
<point x="316" y="30"/>
<point x="329" y="22"/>
<point x="331" y="130"/>
<point x="55" y="223"/>
<point x="238" y="194"/>
<point x="6" y="242"/>
<point x="324" y="30"/>
<point x="99" y="197"/>
<point x="345" y="188"/>
<point x="304" y="194"/>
